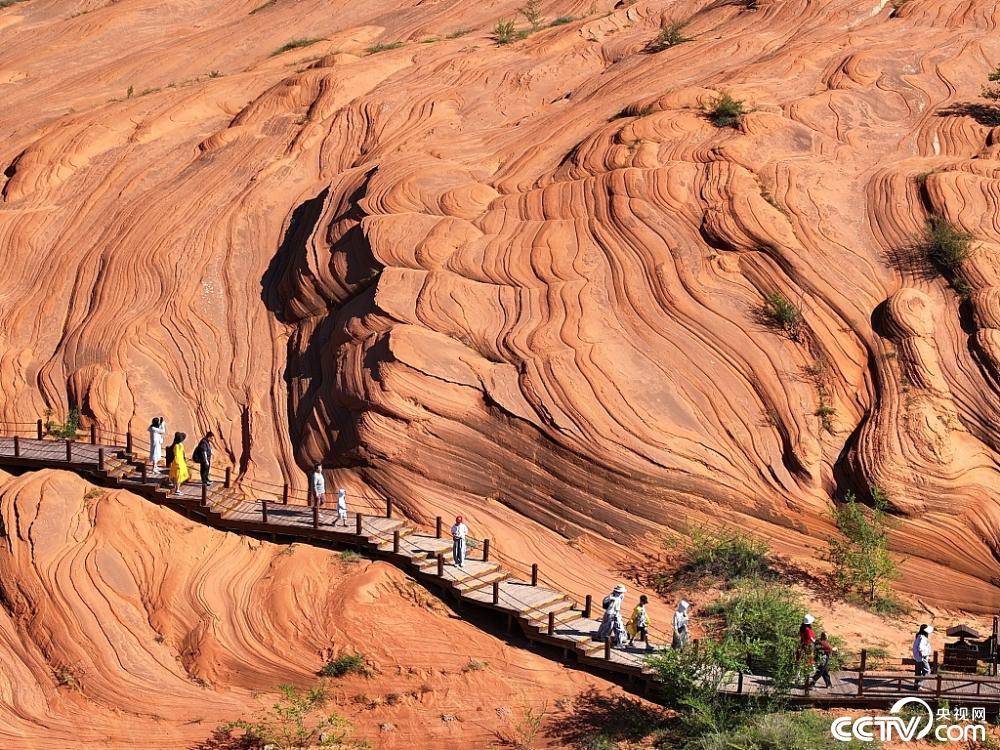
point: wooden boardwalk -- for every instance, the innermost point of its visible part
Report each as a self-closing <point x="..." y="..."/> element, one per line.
<point x="543" y="614"/>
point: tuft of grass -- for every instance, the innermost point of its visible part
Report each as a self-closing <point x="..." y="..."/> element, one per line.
<point x="458" y="33"/>
<point x="349" y="556"/>
<point x="727" y="112"/>
<point x="945" y="246"/>
<point x="562" y="20"/>
<point x="430" y="40"/>
<point x="532" y="12"/>
<point x="383" y="46"/>
<point x="67" y="676"/>
<point x="790" y="730"/>
<point x="474" y="665"/>
<point x="346" y="664"/>
<point x="669" y="36"/>
<point x="780" y="312"/>
<point x="296" y="44"/>
<point x="825" y="412"/>
<point x="215" y="74"/>
<point x="723" y="554"/>
<point x="505" y="32"/>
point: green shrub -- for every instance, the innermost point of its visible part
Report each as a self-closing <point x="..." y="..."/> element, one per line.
<point x="669" y="36"/>
<point x="296" y="44"/>
<point x="504" y="32"/>
<point x="762" y="622"/>
<point x="780" y="312"/>
<point x="727" y="112"/>
<point x="66" y="430"/>
<point x="532" y="12"/>
<point x="383" y="46"/>
<point x="346" y="664"/>
<point x="457" y="33"/>
<point x="562" y="20"/>
<point x="862" y="564"/>
<point x="794" y="730"/>
<point x="724" y="554"/>
<point x="298" y="719"/>
<point x="945" y="246"/>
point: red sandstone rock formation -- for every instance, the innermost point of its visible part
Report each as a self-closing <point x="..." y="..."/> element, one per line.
<point x="527" y="277"/>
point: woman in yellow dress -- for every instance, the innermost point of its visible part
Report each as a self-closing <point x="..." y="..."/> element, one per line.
<point x="178" y="463"/>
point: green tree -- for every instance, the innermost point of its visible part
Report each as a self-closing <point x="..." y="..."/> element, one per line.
<point x="860" y="556"/>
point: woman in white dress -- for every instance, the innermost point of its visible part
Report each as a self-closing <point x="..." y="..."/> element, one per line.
<point x="157" y="429"/>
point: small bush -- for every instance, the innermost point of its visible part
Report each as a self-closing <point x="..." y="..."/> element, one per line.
<point x="296" y="44"/>
<point x="474" y="665"/>
<point x="945" y="246"/>
<point x="505" y="33"/>
<point x="780" y="312"/>
<point x="727" y="112"/>
<point x="825" y="412"/>
<point x="862" y="564"/>
<point x="562" y="20"/>
<point x="349" y="556"/>
<point x="457" y="33"/>
<point x="725" y="555"/>
<point x="532" y="12"/>
<point x="215" y="74"/>
<point x="383" y="46"/>
<point x="66" y="430"/>
<point x="346" y="664"/>
<point x="669" y="36"/>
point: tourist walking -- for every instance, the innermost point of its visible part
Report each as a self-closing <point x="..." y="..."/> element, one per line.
<point x="202" y="456"/>
<point x="318" y="485"/>
<point x="341" y="506"/>
<point x="177" y="460"/>
<point x="681" y="618"/>
<point x="638" y="623"/>
<point x="822" y="651"/>
<point x="611" y="624"/>
<point x="157" y="429"/>
<point x="806" y="639"/>
<point x="459" y="531"/>
<point x="922" y="654"/>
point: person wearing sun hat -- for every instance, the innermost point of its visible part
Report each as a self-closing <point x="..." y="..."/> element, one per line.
<point x="807" y="637"/>
<point x="611" y="624"/>
<point x="922" y="654"/>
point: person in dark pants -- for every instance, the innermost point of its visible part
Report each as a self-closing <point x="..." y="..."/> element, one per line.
<point x="203" y="457"/>
<point x="822" y="651"/>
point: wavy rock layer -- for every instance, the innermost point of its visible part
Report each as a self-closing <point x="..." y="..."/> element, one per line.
<point x="123" y="625"/>
<point x="525" y="280"/>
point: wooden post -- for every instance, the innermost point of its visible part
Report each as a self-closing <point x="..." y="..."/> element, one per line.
<point x="100" y="458"/>
<point x="607" y="647"/>
<point x="861" y="672"/>
<point x="17" y="447"/>
<point x="588" y="603"/>
<point x="534" y="574"/>
<point x="552" y="623"/>
<point x="934" y="662"/>
<point x="697" y="645"/>
<point x="388" y="508"/>
<point x="739" y="683"/>
<point x="496" y="593"/>
<point x="93" y="434"/>
<point x="440" y="560"/>
<point x="284" y="495"/>
<point x="204" y="495"/>
<point x="395" y="541"/>
<point x="142" y="472"/>
<point x="38" y="424"/>
<point x="69" y="451"/>
<point x="805" y="688"/>
<point x="263" y="511"/>
<point x="437" y="527"/>
<point x="486" y="550"/>
<point x="357" y="524"/>
<point x="316" y="516"/>
<point x="128" y="444"/>
<point x="996" y="647"/>
<point x="229" y="476"/>
<point x="937" y="689"/>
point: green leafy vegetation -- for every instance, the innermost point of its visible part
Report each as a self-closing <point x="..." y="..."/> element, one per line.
<point x="349" y="556"/>
<point x="722" y="554"/>
<point x="458" y="33"/>
<point x="505" y="32"/>
<point x="669" y="36"/>
<point x="383" y="46"/>
<point x="562" y="20"/>
<point x="346" y="664"/>
<point x="532" y="12"/>
<point x="299" y="719"/>
<point x="474" y="665"/>
<point x="945" y="246"/>
<point x="727" y="112"/>
<point x="792" y="730"/>
<point x="296" y="44"/>
<point x="64" y="430"/>
<point x="863" y="567"/>
<point x="780" y="312"/>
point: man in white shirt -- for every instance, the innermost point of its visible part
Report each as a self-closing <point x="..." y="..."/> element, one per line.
<point x="318" y="485"/>
<point x="458" y="533"/>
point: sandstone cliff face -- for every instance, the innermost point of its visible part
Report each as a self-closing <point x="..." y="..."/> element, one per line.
<point x="123" y="625"/>
<point x="524" y="277"/>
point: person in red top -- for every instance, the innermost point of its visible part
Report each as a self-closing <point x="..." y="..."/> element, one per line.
<point x="823" y="649"/>
<point x="806" y="639"/>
